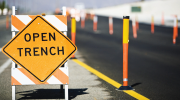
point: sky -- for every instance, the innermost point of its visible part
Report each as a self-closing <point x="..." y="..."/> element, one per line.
<point x="41" y="6"/>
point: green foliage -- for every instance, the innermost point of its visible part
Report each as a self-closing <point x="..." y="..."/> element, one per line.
<point x="2" y="5"/>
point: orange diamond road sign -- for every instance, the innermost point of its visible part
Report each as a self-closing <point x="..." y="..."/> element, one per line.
<point x="40" y="48"/>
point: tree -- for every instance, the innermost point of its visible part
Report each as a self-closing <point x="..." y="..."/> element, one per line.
<point x="2" y="6"/>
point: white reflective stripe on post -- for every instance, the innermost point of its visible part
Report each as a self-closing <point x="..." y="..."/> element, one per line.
<point x="110" y="20"/>
<point x="83" y="15"/>
<point x="95" y="18"/>
<point x="82" y="18"/>
<point x="134" y="21"/>
<point x="66" y="92"/>
<point x="174" y="40"/>
<point x="125" y="79"/>
<point x="175" y="21"/>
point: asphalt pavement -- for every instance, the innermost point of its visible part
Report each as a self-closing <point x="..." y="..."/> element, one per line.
<point x="153" y="60"/>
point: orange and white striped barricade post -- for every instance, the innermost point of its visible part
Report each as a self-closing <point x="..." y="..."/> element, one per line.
<point x="95" y="20"/>
<point x="134" y="28"/>
<point x="110" y="25"/>
<point x="73" y="33"/>
<point x="175" y="29"/>
<point x="152" y="24"/>
<point x="162" y="19"/>
<point x="19" y="75"/>
<point x="137" y="23"/>
<point x="125" y="54"/>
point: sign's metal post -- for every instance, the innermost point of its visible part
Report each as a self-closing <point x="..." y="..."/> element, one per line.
<point x="65" y="65"/>
<point x="13" y="64"/>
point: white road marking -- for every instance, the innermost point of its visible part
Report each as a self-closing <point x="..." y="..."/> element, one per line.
<point x="5" y="65"/>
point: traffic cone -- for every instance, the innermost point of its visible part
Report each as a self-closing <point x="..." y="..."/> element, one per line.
<point x="134" y="28"/>
<point x="152" y="24"/>
<point x="110" y="25"/>
<point x="95" y="20"/>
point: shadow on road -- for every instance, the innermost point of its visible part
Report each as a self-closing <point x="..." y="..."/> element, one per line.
<point x="133" y="85"/>
<point x="50" y="93"/>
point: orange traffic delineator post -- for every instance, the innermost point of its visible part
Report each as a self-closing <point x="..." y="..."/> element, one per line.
<point x="125" y="54"/>
<point x="87" y="16"/>
<point x="110" y="25"/>
<point x="134" y="28"/>
<point x="162" y="20"/>
<point x="176" y="26"/>
<point x="92" y="16"/>
<point x="175" y="29"/>
<point x="73" y="33"/>
<point x="95" y="20"/>
<point x="152" y="24"/>
<point x="137" y="23"/>
<point x="82" y="22"/>
<point x="7" y="22"/>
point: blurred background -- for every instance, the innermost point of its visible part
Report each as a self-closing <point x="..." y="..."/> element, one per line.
<point x="143" y="10"/>
<point x="39" y="6"/>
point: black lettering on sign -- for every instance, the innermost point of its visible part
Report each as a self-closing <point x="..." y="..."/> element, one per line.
<point x="27" y="50"/>
<point x="19" y="51"/>
<point x="51" y="52"/>
<point x="34" y="50"/>
<point x="35" y="35"/>
<point x="45" y="51"/>
<point x="53" y="37"/>
<point x="41" y="51"/>
<point x="27" y="35"/>
<point x="43" y="37"/>
<point x="60" y="50"/>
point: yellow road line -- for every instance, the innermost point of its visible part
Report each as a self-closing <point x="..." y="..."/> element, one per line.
<point x="110" y="81"/>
